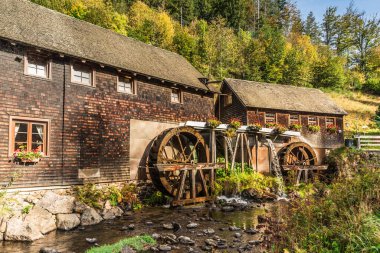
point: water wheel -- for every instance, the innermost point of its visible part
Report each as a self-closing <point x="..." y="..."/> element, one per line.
<point x="179" y="160"/>
<point x="300" y="158"/>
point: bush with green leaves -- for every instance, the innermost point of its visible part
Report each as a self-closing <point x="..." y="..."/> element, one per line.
<point x="344" y="218"/>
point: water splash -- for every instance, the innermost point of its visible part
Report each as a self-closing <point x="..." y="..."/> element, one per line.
<point x="276" y="168"/>
<point x="231" y="200"/>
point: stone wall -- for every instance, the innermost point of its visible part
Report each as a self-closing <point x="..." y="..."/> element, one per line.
<point x="90" y="126"/>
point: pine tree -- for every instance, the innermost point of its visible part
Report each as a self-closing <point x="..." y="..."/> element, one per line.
<point x="311" y="28"/>
<point x="330" y="26"/>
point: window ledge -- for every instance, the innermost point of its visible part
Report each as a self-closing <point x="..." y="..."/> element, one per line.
<point x="38" y="77"/>
<point x="82" y="84"/>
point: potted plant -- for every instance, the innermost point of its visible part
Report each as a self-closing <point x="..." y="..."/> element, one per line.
<point x="331" y="129"/>
<point x="230" y="132"/>
<point x="24" y="156"/>
<point x="213" y="122"/>
<point x="314" y="128"/>
<point x="279" y="129"/>
<point x="295" y="127"/>
<point x="235" y="123"/>
<point x="255" y="127"/>
<point x="271" y="125"/>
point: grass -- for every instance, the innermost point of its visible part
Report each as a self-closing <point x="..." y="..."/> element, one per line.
<point x="138" y="243"/>
<point x="361" y="109"/>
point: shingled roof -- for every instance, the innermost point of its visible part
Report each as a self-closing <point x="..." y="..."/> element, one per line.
<point x="29" y="23"/>
<point x="283" y="97"/>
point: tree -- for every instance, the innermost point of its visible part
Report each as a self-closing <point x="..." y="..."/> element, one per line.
<point x="311" y="28"/>
<point x="330" y="26"/>
<point x="328" y="71"/>
<point x="365" y="37"/>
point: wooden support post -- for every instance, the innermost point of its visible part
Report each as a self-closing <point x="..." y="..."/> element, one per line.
<point x="234" y="154"/>
<point x="242" y="152"/>
<point x="225" y="154"/>
<point x="250" y="161"/>
<point x="257" y="152"/>
<point x="193" y="189"/>
<point x="182" y="185"/>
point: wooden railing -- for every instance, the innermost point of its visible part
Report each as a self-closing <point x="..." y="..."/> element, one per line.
<point x="368" y="142"/>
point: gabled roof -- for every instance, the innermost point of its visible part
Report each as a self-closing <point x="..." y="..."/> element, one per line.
<point x="29" y="23"/>
<point x="283" y="97"/>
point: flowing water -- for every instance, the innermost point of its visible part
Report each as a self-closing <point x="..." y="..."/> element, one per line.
<point x="276" y="168"/>
<point x="111" y="231"/>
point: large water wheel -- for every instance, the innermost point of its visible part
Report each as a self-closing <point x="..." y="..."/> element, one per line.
<point x="300" y="158"/>
<point x="179" y="168"/>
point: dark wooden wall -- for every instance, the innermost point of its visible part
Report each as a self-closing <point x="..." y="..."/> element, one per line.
<point x="89" y="125"/>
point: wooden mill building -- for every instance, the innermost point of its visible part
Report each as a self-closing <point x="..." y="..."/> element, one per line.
<point x="89" y="98"/>
<point x="265" y="103"/>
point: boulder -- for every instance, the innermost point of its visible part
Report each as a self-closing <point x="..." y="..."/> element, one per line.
<point x="79" y="207"/>
<point x="127" y="249"/>
<point x="112" y="212"/>
<point x="67" y="221"/>
<point x="19" y="230"/>
<point x="3" y="226"/>
<point x="90" y="217"/>
<point x="55" y="203"/>
<point x="48" y="250"/>
<point x="42" y="219"/>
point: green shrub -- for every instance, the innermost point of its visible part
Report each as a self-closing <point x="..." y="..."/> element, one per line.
<point x="156" y="199"/>
<point x="90" y="195"/>
<point x="138" y="243"/>
<point x="344" y="219"/>
<point x="314" y="128"/>
<point x="114" y="195"/>
<point x="373" y="85"/>
<point x="26" y="209"/>
<point x="236" y="182"/>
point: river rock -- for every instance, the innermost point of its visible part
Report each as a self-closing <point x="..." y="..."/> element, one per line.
<point x="211" y="242"/>
<point x="164" y="247"/>
<point x="48" y="250"/>
<point x="127" y="249"/>
<point x="168" y="226"/>
<point x="55" y="203"/>
<point x="234" y="228"/>
<point x="91" y="240"/>
<point x="209" y="231"/>
<point x="67" y="221"/>
<point x="176" y="226"/>
<point x="112" y="213"/>
<point x="227" y="208"/>
<point x="156" y="236"/>
<point x="237" y="235"/>
<point x="42" y="219"/>
<point x="192" y="225"/>
<point x="251" y="231"/>
<point x="90" y="217"/>
<point x="19" y="230"/>
<point x="185" y="240"/>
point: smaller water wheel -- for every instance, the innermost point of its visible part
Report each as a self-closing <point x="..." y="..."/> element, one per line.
<point x="179" y="168"/>
<point x="299" y="158"/>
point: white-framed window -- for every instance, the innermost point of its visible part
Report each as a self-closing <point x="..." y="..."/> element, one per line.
<point x="270" y="117"/>
<point x="126" y="84"/>
<point x="313" y="120"/>
<point x="176" y="96"/>
<point x="81" y="74"/>
<point x="330" y="121"/>
<point x="36" y="65"/>
<point x="294" y="119"/>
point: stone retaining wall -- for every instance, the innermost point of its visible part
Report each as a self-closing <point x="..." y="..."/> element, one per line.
<point x="31" y="215"/>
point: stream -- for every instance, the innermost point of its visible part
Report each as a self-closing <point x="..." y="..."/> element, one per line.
<point x="111" y="231"/>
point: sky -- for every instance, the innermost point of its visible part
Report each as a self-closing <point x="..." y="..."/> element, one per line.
<point x="318" y="7"/>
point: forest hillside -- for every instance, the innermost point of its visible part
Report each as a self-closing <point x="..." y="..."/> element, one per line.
<point x="261" y="40"/>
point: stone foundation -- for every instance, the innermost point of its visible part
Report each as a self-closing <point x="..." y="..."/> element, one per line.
<point x="30" y="215"/>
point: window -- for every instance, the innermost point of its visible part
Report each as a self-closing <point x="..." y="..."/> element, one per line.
<point x="330" y="121"/>
<point x="81" y="74"/>
<point x="312" y="120"/>
<point x="227" y="100"/>
<point x="294" y="119"/>
<point x="176" y="96"/>
<point x="270" y="118"/>
<point x="36" y="66"/>
<point x="125" y="85"/>
<point x="28" y="135"/>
